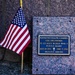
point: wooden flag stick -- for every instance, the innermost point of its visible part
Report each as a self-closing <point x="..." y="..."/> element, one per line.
<point x="22" y="57"/>
<point x="22" y="62"/>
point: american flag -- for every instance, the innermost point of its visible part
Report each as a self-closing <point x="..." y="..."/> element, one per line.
<point x="17" y="37"/>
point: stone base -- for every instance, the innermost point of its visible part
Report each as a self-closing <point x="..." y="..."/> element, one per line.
<point x="9" y="55"/>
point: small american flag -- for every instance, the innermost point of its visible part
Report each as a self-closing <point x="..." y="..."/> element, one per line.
<point x="17" y="37"/>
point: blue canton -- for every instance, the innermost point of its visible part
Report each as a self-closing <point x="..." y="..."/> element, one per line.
<point x="19" y="19"/>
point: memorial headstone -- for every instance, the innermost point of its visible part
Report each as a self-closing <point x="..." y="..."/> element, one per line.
<point x="53" y="45"/>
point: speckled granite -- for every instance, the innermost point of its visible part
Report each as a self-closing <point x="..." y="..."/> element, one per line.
<point x="62" y="7"/>
<point x="53" y="64"/>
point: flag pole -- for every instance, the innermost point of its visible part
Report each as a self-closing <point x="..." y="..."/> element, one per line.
<point x="22" y="62"/>
<point x="21" y="4"/>
<point x="22" y="57"/>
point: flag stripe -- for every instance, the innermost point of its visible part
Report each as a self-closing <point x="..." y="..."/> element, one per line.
<point x="24" y="43"/>
<point x="21" y="42"/>
<point x="12" y="36"/>
<point x="6" y="36"/>
<point x="18" y="39"/>
<point x="24" y="47"/>
<point x="9" y="36"/>
<point x="23" y="35"/>
<point x="17" y="36"/>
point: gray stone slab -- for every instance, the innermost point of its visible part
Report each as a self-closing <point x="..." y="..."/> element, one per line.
<point x="53" y="64"/>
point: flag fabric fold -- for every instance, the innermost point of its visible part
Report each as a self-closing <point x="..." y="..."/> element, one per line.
<point x="17" y="37"/>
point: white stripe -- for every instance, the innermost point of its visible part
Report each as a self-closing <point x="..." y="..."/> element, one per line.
<point x="23" y="44"/>
<point x="6" y="35"/>
<point x="13" y="36"/>
<point x="9" y="36"/>
<point x="18" y="36"/>
<point x="20" y="40"/>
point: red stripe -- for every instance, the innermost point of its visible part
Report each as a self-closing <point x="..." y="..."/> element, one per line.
<point x="11" y="35"/>
<point x="6" y="33"/>
<point x="15" y="36"/>
<point x="22" y="42"/>
<point x="24" y="47"/>
<point x="7" y="36"/>
<point x="19" y="38"/>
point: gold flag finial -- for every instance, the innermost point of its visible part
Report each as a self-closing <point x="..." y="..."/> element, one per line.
<point x="21" y="3"/>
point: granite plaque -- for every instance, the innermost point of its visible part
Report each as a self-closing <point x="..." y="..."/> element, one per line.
<point x="54" y="45"/>
<point x="53" y="64"/>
